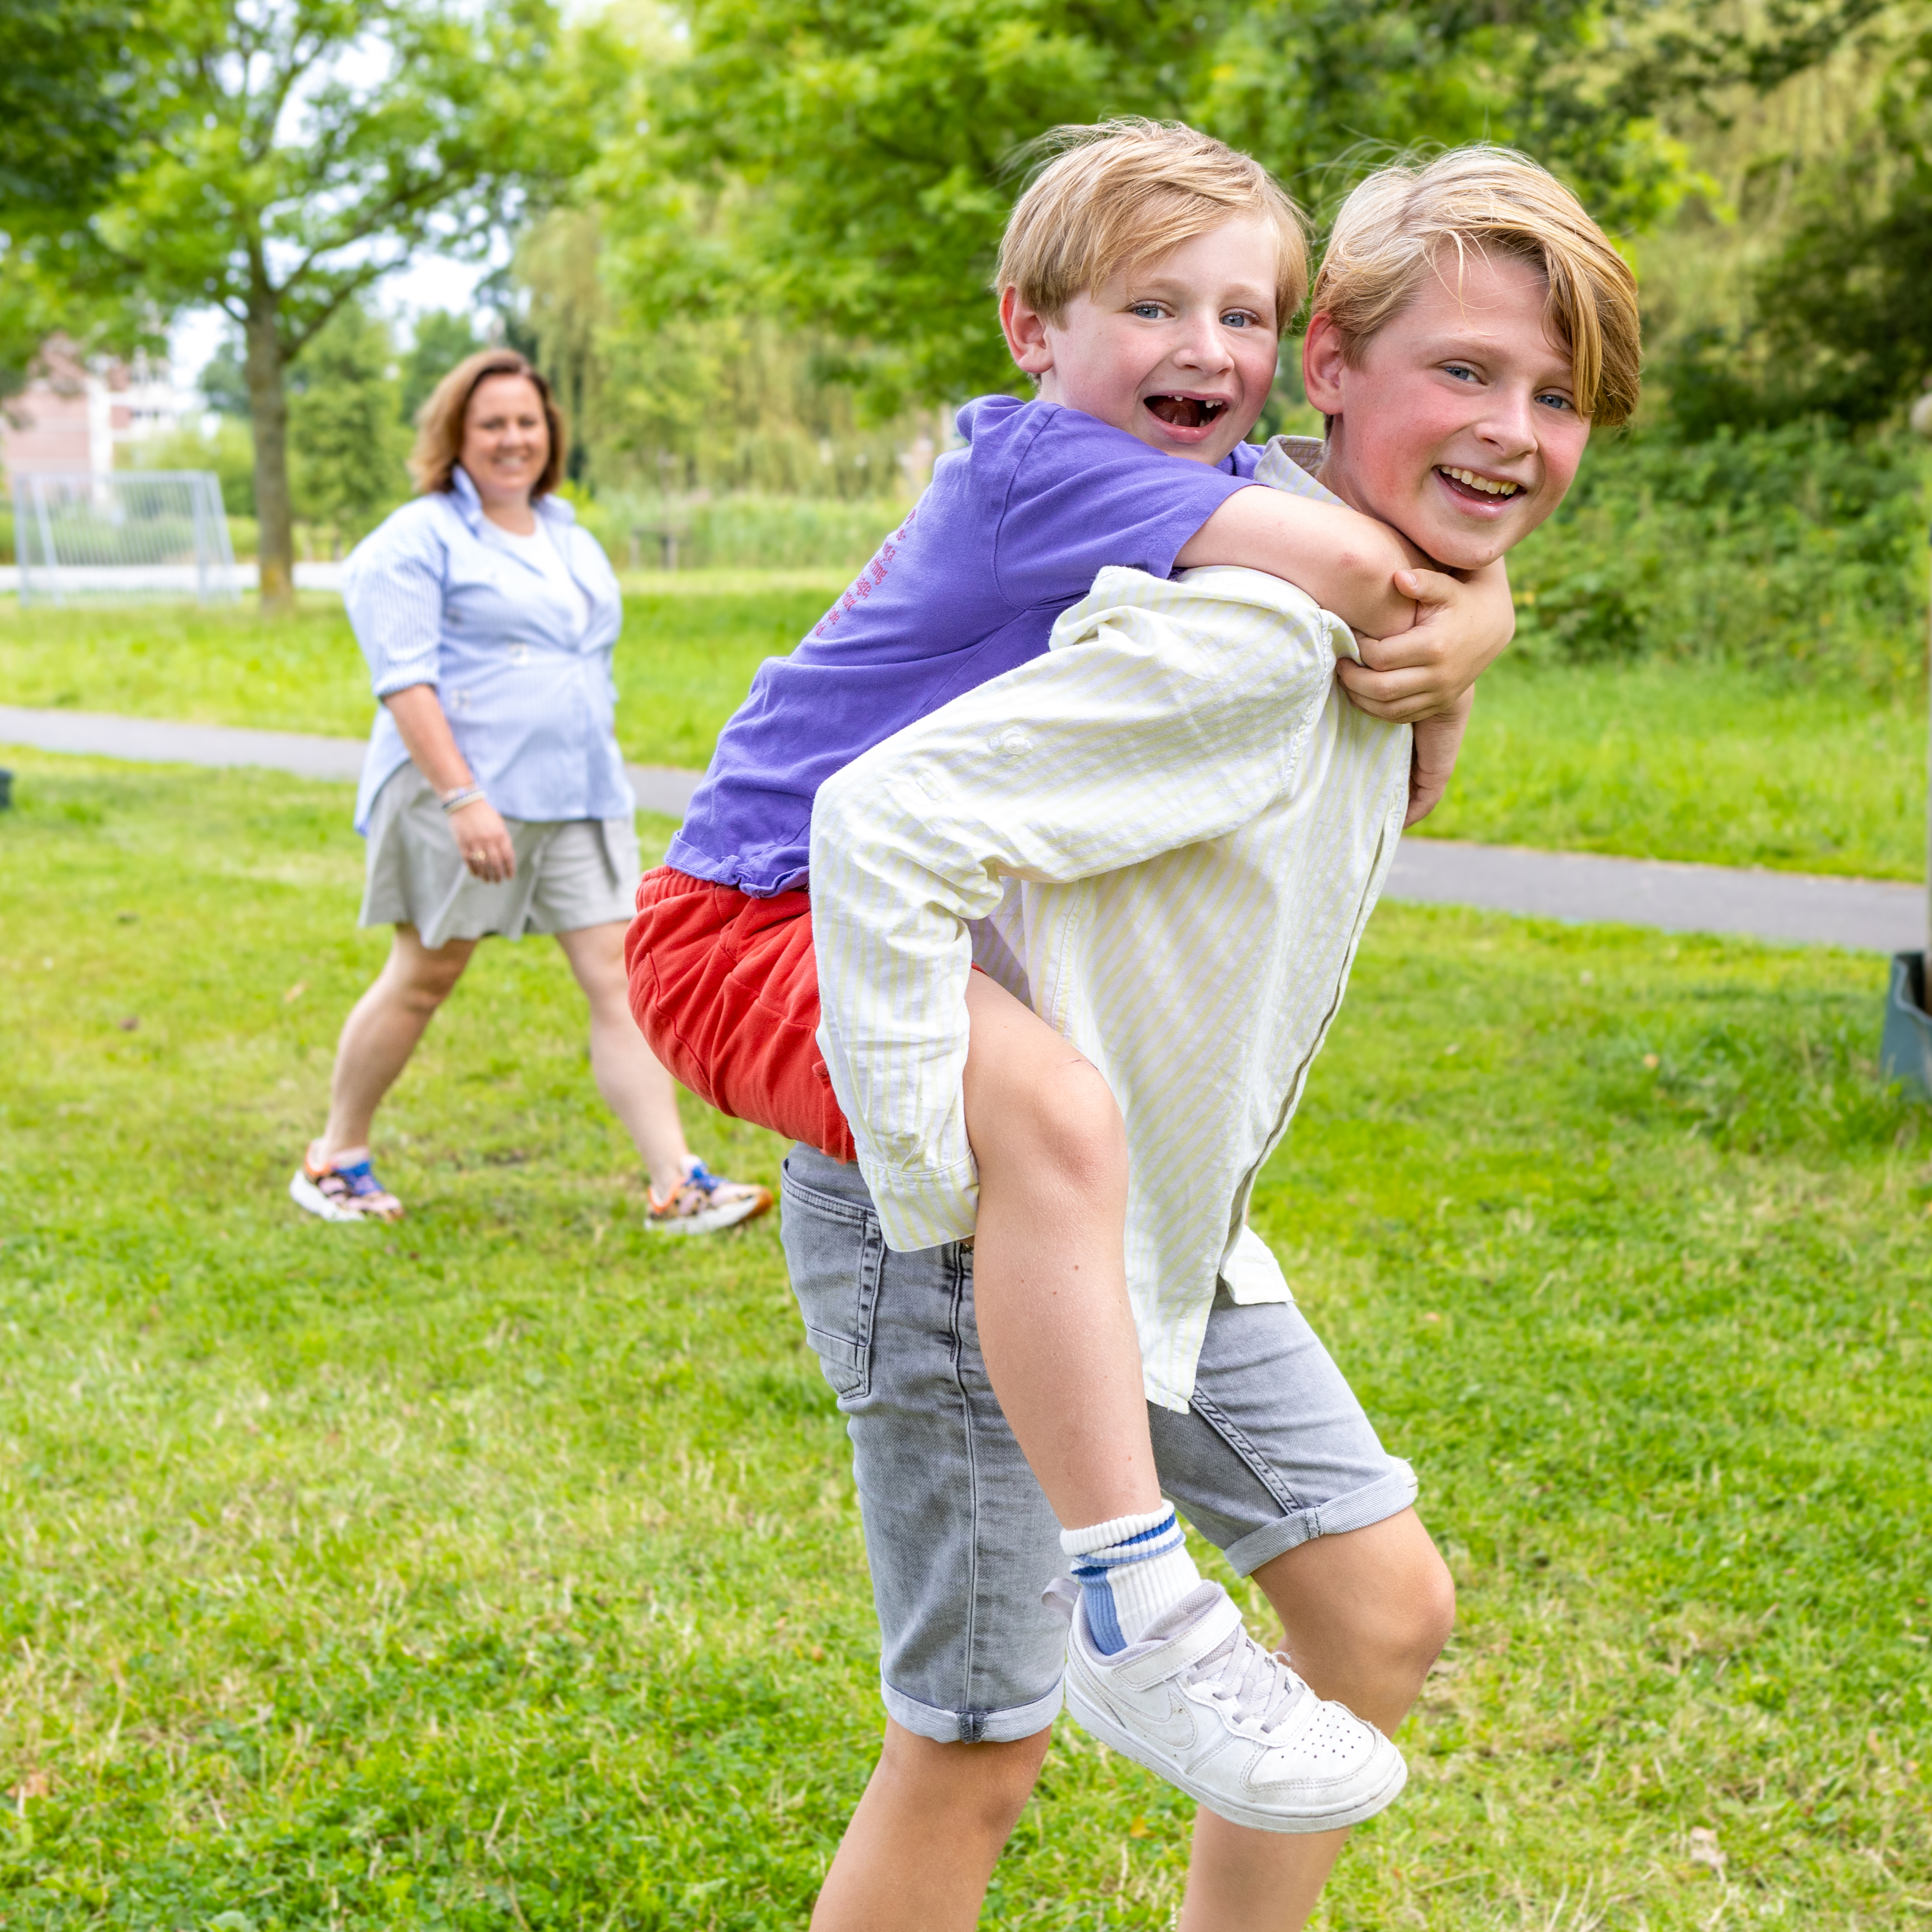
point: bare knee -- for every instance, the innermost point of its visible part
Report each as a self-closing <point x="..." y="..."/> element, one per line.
<point x="1038" y="1112"/>
<point x="421" y="978"/>
<point x="1405" y="1632"/>
<point x="1082" y="1136"/>
<point x="1425" y="1617"/>
<point x="981" y="1789"/>
<point x="1385" y="1649"/>
<point x="1059" y="1120"/>
<point x="1367" y="1613"/>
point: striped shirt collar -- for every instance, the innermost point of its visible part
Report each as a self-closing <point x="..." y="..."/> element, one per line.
<point x="468" y="505"/>
<point x="1292" y="462"/>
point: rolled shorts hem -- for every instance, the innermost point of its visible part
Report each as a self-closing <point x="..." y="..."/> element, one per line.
<point x="1374" y="1502"/>
<point x="972" y="1727"/>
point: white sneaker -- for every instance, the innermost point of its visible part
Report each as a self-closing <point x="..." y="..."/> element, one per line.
<point x="703" y="1202"/>
<point x="1198" y="1701"/>
<point x="334" y="1192"/>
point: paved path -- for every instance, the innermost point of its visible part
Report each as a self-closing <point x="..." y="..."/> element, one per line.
<point x="659" y="787"/>
<point x="1869" y="915"/>
<point x="121" y="580"/>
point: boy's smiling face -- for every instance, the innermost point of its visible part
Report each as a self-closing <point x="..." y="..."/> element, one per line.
<point x="1460" y="427"/>
<point x="1179" y="351"/>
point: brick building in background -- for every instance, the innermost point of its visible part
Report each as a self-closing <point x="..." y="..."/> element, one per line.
<point x="73" y="413"/>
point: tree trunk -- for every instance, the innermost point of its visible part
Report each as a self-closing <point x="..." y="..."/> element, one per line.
<point x="269" y="417"/>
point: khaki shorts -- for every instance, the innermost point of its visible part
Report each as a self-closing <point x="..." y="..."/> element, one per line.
<point x="571" y="872"/>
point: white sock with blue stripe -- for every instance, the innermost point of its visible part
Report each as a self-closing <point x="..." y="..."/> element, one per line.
<point x="1131" y="1571"/>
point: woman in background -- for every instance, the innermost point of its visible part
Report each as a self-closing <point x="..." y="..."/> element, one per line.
<point x="493" y="796"/>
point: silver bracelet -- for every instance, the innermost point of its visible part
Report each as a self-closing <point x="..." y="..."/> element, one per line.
<point x="462" y="795"/>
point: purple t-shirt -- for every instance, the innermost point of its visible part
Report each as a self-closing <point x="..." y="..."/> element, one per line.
<point x="1014" y="529"/>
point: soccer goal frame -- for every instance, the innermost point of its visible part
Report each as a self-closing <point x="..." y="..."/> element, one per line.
<point x="78" y="535"/>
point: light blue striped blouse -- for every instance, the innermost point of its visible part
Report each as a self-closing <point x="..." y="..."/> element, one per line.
<point x="437" y="595"/>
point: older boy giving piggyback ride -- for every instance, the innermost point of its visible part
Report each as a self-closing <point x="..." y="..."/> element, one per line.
<point x="1164" y="834"/>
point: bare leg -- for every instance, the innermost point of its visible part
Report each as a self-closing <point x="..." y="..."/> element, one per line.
<point x="1049" y="1268"/>
<point x="1365" y="1613"/>
<point x="382" y="1031"/>
<point x="635" y="1085"/>
<point x="922" y="1844"/>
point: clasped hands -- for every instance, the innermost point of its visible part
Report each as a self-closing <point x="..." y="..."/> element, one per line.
<point x="1425" y="675"/>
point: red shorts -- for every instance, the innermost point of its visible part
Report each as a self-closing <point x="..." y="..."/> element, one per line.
<point x="725" y="988"/>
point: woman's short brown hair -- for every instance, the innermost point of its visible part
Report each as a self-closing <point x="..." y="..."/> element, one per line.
<point x="440" y="422"/>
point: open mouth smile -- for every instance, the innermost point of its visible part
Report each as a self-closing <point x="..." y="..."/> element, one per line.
<point x="1185" y="412"/>
<point x="1467" y="484"/>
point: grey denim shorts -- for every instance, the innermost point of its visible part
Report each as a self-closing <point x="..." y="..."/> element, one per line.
<point x="1275" y="1450"/>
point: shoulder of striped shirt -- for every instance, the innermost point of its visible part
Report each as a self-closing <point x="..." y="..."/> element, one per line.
<point x="1194" y="591"/>
<point x="410" y="532"/>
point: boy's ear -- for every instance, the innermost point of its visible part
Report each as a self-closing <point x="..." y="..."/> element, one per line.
<point x="1025" y="330"/>
<point x="1323" y="365"/>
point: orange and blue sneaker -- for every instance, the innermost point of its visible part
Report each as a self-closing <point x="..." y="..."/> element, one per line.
<point x="703" y="1202"/>
<point x="340" y="1190"/>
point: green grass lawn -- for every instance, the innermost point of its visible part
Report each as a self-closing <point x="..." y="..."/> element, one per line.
<point x="683" y="664"/>
<point x="1694" y="760"/>
<point x="1657" y="760"/>
<point x="501" y="1569"/>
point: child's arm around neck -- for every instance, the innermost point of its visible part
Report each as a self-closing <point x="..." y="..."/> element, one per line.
<point x="1344" y="560"/>
<point x="1425" y="636"/>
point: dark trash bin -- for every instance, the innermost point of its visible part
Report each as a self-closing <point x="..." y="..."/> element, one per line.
<point x="1905" y="1054"/>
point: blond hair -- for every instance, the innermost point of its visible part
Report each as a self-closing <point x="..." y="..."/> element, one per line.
<point x="1128" y="191"/>
<point x="1396" y="226"/>
<point x="439" y="422"/>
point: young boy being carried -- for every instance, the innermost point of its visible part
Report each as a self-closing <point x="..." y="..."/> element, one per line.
<point x="1167" y="835"/>
<point x="1151" y="271"/>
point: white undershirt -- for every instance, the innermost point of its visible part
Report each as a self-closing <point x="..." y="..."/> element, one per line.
<point x="541" y="549"/>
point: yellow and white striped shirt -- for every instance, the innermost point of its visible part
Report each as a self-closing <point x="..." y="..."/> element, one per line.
<point x="1167" y="835"/>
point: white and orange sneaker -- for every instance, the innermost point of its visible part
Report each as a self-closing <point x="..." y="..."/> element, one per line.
<point x="337" y="1190"/>
<point x="703" y="1202"/>
<point x="1201" y="1704"/>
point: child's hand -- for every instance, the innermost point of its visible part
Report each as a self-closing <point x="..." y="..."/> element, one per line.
<point x="1461" y="628"/>
<point x="1437" y="741"/>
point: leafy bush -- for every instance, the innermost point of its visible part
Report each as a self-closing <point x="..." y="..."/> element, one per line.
<point x="748" y="532"/>
<point x="222" y="446"/>
<point x="1798" y="548"/>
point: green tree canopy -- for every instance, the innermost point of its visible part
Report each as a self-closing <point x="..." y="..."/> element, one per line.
<point x="66" y="112"/>
<point x="67" y="115"/>
<point x="848" y="169"/>
<point x="732" y="402"/>
<point x="223" y="383"/>
<point x="439" y="341"/>
<point x="308" y="147"/>
<point x="1845" y="307"/>
<point x="346" y="431"/>
<point x="851" y="168"/>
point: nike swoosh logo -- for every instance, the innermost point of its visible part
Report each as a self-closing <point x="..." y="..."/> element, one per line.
<point x="1176" y="1730"/>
